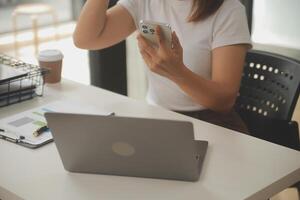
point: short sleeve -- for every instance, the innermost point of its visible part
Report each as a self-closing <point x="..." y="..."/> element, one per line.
<point x="231" y="27"/>
<point x="132" y="6"/>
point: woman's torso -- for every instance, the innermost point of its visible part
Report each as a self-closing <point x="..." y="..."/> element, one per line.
<point x="196" y="39"/>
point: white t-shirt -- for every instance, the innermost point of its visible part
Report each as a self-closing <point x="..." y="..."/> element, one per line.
<point x="225" y="27"/>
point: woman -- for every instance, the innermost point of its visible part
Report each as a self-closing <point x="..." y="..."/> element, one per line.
<point x="200" y="75"/>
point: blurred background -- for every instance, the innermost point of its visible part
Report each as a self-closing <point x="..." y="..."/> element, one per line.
<point x="27" y="26"/>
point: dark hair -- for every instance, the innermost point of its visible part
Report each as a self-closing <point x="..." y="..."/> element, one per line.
<point x="202" y="9"/>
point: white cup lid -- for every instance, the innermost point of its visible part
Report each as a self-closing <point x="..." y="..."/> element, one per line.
<point x="50" y="55"/>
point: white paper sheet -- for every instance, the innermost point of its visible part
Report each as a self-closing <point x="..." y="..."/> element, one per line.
<point x="26" y="123"/>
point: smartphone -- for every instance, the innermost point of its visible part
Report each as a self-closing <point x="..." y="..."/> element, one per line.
<point x="148" y="30"/>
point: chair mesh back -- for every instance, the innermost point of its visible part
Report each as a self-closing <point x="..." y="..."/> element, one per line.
<point x="270" y="85"/>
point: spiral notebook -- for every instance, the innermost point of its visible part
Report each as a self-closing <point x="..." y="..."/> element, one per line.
<point x="19" y="128"/>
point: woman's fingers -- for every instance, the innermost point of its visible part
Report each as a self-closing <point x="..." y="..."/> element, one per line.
<point x="145" y="46"/>
<point x="175" y="41"/>
<point x="160" y="38"/>
<point x="147" y="58"/>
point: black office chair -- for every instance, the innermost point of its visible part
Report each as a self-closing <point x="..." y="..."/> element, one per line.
<point x="268" y="96"/>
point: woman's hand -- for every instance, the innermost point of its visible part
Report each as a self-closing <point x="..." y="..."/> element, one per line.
<point x="165" y="61"/>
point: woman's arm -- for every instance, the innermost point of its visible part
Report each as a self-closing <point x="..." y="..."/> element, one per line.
<point x="219" y="93"/>
<point x="98" y="28"/>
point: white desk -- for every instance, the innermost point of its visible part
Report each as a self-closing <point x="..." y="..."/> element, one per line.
<point x="236" y="166"/>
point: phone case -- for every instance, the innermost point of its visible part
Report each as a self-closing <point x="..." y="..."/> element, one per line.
<point x="148" y="30"/>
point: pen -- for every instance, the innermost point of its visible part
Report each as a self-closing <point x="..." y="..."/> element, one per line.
<point x="41" y="130"/>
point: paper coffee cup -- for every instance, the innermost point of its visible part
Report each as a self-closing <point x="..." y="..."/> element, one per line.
<point x="51" y="59"/>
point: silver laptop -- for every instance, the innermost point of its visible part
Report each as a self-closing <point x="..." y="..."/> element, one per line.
<point x="127" y="146"/>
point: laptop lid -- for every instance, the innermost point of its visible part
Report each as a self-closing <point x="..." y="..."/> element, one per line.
<point x="127" y="146"/>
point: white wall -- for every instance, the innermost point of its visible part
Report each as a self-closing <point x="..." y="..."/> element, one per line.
<point x="136" y="77"/>
<point x="277" y="22"/>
